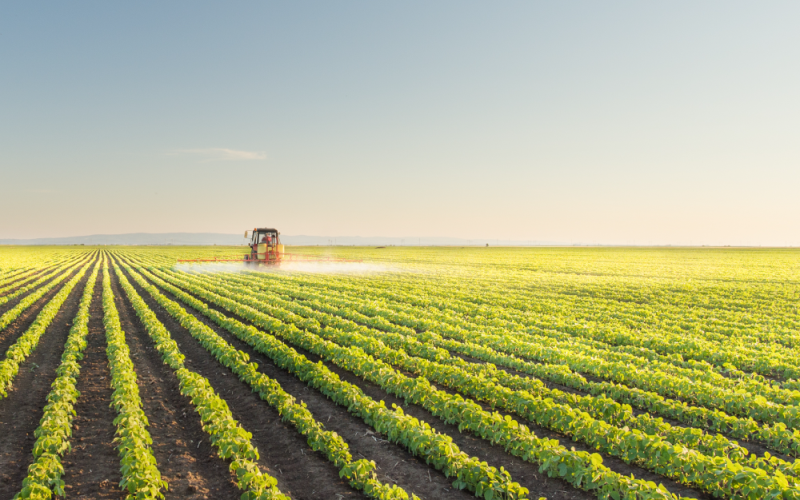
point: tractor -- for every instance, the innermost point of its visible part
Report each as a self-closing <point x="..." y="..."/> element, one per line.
<point x="265" y="246"/>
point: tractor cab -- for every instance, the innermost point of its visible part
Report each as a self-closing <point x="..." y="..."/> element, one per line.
<point x="265" y="246"/>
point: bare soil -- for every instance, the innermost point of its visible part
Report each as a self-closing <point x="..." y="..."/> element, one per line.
<point x="92" y="467"/>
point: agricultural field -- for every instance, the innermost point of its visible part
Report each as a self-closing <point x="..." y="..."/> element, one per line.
<point x="403" y="372"/>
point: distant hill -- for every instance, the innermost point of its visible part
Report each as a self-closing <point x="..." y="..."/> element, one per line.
<point x="137" y="239"/>
<point x="237" y="239"/>
<point x="405" y="241"/>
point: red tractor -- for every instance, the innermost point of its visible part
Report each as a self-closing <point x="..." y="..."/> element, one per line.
<point x="265" y="246"/>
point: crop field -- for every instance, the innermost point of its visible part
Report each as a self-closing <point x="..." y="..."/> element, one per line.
<point x="404" y="372"/>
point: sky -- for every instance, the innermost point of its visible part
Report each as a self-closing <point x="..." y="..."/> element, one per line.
<point x="576" y="122"/>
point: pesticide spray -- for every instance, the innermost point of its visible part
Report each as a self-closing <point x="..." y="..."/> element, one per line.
<point x="338" y="268"/>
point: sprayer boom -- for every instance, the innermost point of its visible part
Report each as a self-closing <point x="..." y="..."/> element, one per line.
<point x="285" y="257"/>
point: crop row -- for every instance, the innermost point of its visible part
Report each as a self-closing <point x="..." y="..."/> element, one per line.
<point x="16" y="264"/>
<point x="16" y="280"/>
<point x="725" y="376"/>
<point x="456" y="315"/>
<point x="544" y="350"/>
<point x="230" y="439"/>
<point x="9" y="316"/>
<point x="752" y="354"/>
<point x="140" y="475"/>
<point x="638" y="385"/>
<point x="31" y="278"/>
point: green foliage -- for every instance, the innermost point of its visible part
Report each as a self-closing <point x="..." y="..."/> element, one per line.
<point x="438" y="450"/>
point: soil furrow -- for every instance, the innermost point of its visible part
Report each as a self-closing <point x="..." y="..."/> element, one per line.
<point x="181" y="448"/>
<point x="21" y="411"/>
<point x="92" y="467"/>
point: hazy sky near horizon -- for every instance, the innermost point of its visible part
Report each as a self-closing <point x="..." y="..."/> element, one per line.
<point x="612" y="123"/>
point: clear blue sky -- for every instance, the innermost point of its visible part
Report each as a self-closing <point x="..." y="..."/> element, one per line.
<point x="612" y="122"/>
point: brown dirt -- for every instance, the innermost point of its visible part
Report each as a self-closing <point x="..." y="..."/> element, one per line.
<point x="181" y="447"/>
<point x="92" y="467"/>
<point x="304" y="473"/>
<point x="21" y="411"/>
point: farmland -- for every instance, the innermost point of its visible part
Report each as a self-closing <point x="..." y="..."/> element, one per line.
<point x="564" y="373"/>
